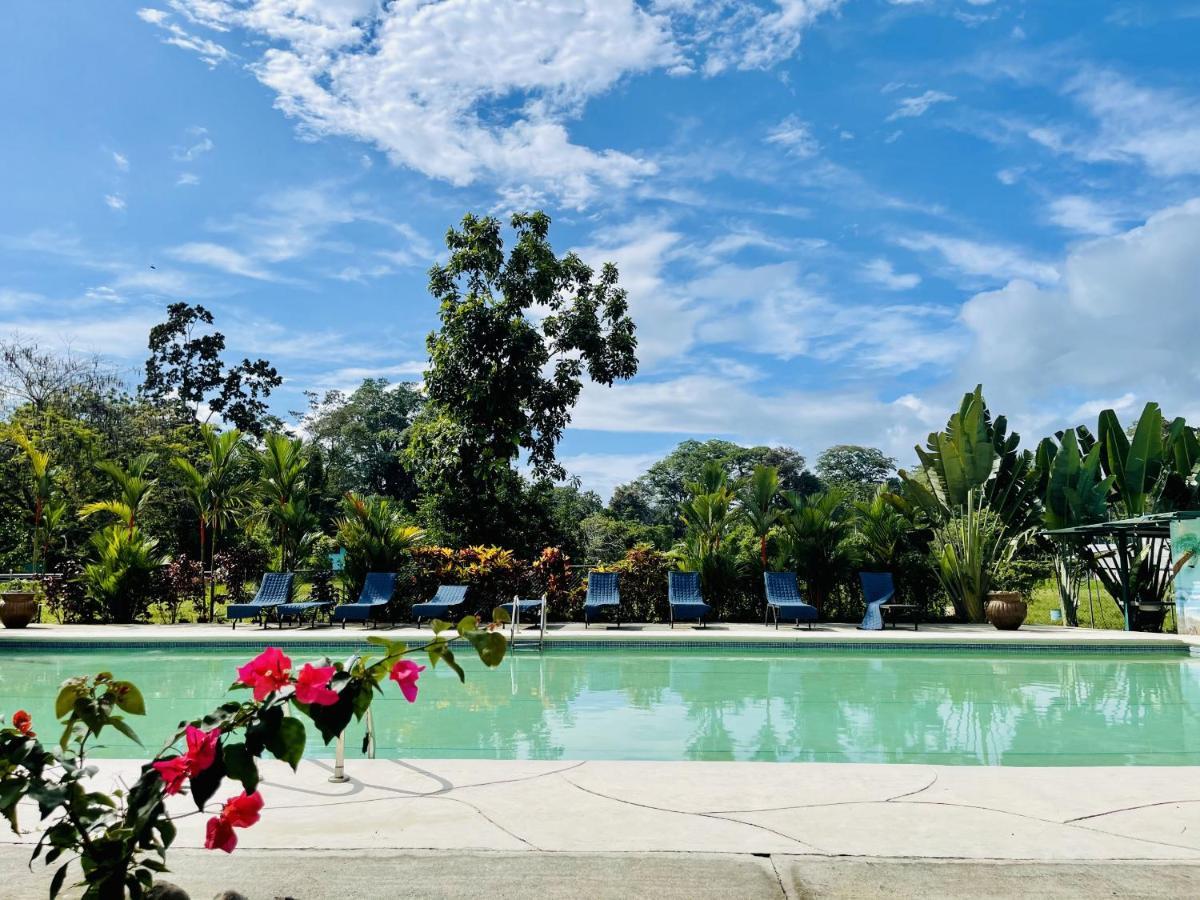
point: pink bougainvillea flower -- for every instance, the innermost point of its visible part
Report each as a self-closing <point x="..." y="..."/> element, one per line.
<point x="201" y="753"/>
<point x="267" y="672"/>
<point x="23" y="722"/>
<point x="174" y="772"/>
<point x="405" y="673"/>
<point x="241" y="811"/>
<point x="312" y="685"/>
<point x="201" y="748"/>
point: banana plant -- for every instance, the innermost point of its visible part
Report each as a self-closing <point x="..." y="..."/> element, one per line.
<point x="817" y="543"/>
<point x="966" y="551"/>
<point x="974" y="456"/>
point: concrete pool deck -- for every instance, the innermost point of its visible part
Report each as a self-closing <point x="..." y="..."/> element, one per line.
<point x="770" y="827"/>
<point x="574" y="633"/>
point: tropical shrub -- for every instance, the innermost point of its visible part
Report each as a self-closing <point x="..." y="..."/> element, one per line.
<point x="492" y="575"/>
<point x="121" y="840"/>
<point x="179" y="581"/>
<point x="240" y="568"/>
<point x="709" y="516"/>
<point x="554" y="579"/>
<point x="287" y="488"/>
<point x="120" y="579"/>
<point x="967" y="551"/>
<point x="376" y="536"/>
<point x="644" y="584"/>
<point x="67" y="597"/>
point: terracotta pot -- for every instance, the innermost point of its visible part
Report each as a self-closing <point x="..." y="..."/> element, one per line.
<point x="1006" y="610"/>
<point x="17" y="609"/>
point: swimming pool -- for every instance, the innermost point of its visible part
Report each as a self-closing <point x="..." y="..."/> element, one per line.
<point x="957" y="708"/>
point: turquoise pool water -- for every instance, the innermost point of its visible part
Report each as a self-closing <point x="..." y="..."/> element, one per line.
<point x="824" y="706"/>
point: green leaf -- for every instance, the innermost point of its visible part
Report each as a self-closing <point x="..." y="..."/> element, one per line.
<point x="287" y="743"/>
<point x="439" y="626"/>
<point x="466" y="625"/>
<point x="240" y="766"/>
<point x="205" y="784"/>
<point x="447" y="656"/>
<point x="56" y="882"/>
<point x="490" y="645"/>
<point x="129" y="698"/>
<point x="65" y="701"/>
<point x="119" y="723"/>
<point x="500" y="616"/>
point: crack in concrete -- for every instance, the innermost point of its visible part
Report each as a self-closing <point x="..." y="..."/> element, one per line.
<point x="922" y="790"/>
<point x="1113" y="812"/>
<point x="704" y="815"/>
<point x="493" y="822"/>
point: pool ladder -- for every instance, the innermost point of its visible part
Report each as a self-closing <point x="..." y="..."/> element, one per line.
<point x="515" y="644"/>
<point x="339" y="775"/>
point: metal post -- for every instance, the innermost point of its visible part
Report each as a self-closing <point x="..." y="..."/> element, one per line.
<point x="1123" y="560"/>
<point x="339" y="762"/>
<point x="370" y="734"/>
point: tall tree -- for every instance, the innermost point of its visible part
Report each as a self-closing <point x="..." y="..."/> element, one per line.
<point x="185" y="368"/>
<point x="857" y="470"/>
<point x="288" y="485"/>
<point x="362" y="436"/>
<point x="519" y="333"/>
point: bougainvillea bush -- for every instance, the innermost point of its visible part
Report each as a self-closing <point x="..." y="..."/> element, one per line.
<point x="120" y="841"/>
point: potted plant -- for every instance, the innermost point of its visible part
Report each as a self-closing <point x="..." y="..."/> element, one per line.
<point x="19" y="603"/>
<point x="1006" y="610"/>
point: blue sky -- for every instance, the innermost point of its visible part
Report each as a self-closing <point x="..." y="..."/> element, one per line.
<point x="832" y="216"/>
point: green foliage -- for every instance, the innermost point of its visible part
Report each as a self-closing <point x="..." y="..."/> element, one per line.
<point x="501" y="382"/>
<point x="133" y="490"/>
<point x="709" y="517"/>
<point x="758" y="500"/>
<point x="644" y="583"/>
<point x="656" y="496"/>
<point x="967" y="550"/>
<point x="120" y="577"/>
<point x="818" y="544"/>
<point x="362" y="437"/>
<point x="974" y="457"/>
<point x="376" y="536"/>
<point x="185" y="370"/>
<point x="1075" y="493"/>
<point x="604" y="539"/>
<point x="288" y="485"/>
<point x="858" y="471"/>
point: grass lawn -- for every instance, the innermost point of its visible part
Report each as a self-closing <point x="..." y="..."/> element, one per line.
<point x="1105" y="610"/>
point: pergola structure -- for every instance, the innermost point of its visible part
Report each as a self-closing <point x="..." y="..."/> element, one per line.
<point x="1115" y="550"/>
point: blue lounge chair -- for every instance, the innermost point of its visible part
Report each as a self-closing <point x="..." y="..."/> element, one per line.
<point x="519" y="608"/>
<point x="683" y="593"/>
<point x="784" y="600"/>
<point x="880" y="593"/>
<point x="275" y="590"/>
<point x="447" y="597"/>
<point x="376" y="594"/>
<point x="604" y="589"/>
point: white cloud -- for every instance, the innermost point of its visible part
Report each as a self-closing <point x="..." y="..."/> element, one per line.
<point x="217" y="256"/>
<point x="187" y="179"/>
<point x="379" y="73"/>
<point x="199" y="144"/>
<point x="1121" y="322"/>
<point x="881" y="271"/>
<point x="794" y="136"/>
<point x="115" y="201"/>
<point x="979" y="259"/>
<point x="1083" y="215"/>
<point x="120" y="161"/>
<point x="1158" y="128"/>
<point x="911" y="107"/>
<point x="601" y="472"/>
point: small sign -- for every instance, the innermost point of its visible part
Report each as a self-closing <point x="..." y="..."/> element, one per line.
<point x="338" y="560"/>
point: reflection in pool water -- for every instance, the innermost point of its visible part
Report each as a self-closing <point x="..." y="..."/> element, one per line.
<point x="814" y="706"/>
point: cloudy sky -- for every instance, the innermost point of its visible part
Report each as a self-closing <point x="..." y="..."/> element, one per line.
<point x="832" y="216"/>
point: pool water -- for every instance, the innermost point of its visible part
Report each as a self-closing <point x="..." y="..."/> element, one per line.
<point x="821" y="706"/>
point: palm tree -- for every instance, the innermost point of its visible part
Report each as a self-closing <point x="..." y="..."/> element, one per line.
<point x="133" y="491"/>
<point x="757" y="501"/>
<point x="42" y="488"/>
<point x="816" y="541"/>
<point x="286" y="489"/>
<point x="218" y="493"/>
<point x="708" y="517"/>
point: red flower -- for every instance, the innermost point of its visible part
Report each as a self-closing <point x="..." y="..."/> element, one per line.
<point x="405" y="673"/>
<point x="201" y="748"/>
<point x="23" y="722"/>
<point x="174" y="772"/>
<point x="201" y="753"/>
<point x="267" y="672"/>
<point x="312" y="685"/>
<point x="238" y="812"/>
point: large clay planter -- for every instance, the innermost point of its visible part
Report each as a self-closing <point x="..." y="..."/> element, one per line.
<point x="1006" y="610"/>
<point x="17" y="609"/>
